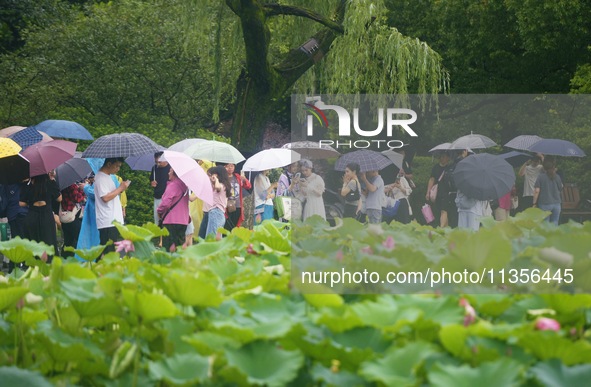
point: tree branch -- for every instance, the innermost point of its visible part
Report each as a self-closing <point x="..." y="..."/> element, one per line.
<point x="278" y="9"/>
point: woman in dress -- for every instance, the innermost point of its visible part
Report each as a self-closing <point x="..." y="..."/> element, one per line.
<point x="309" y="189"/>
<point x="89" y="234"/>
<point x="38" y="195"/>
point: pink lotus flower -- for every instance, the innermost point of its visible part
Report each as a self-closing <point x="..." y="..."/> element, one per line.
<point x="470" y="313"/>
<point x="218" y="236"/>
<point x="250" y="250"/>
<point x="124" y="245"/>
<point x="339" y="255"/>
<point x="172" y="248"/>
<point x="44" y="256"/>
<point x="389" y="243"/>
<point x="547" y="324"/>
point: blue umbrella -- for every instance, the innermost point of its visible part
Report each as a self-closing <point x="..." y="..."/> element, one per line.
<point x="144" y="162"/>
<point x="556" y="147"/>
<point x="26" y="137"/>
<point x="64" y="129"/>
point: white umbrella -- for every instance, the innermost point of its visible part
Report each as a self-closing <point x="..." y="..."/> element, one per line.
<point x="213" y="150"/>
<point x="269" y="159"/>
<point x="191" y="174"/>
<point x="181" y="146"/>
<point x="441" y="147"/>
<point x="395" y="157"/>
<point x="523" y="142"/>
<point x="472" y="141"/>
<point x="312" y="150"/>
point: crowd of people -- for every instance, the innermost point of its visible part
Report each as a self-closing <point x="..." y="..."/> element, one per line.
<point x="542" y="188"/>
<point x="86" y="211"/>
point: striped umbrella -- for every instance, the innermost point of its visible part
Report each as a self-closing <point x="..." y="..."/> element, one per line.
<point x="121" y="145"/>
<point x="368" y="160"/>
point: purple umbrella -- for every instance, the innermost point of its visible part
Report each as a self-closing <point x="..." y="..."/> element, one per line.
<point x="46" y="156"/>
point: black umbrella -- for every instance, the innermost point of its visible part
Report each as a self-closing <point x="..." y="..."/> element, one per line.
<point x="13" y="169"/>
<point x="72" y="171"/>
<point x="122" y="145"/>
<point x="515" y="158"/>
<point x="484" y="176"/>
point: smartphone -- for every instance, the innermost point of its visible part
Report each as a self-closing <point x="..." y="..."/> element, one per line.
<point x="297" y="175"/>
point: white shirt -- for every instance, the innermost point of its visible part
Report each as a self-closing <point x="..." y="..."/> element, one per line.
<point x="530" y="177"/>
<point x="106" y="212"/>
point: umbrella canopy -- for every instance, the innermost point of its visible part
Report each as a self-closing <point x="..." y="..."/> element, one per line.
<point x="46" y="156"/>
<point x="181" y="146"/>
<point x="121" y="145"/>
<point x="213" y="150"/>
<point x="556" y="147"/>
<point x="270" y="159"/>
<point x="11" y="130"/>
<point x="13" y="169"/>
<point x="72" y="171"/>
<point x="64" y="129"/>
<point x="8" y="147"/>
<point x="368" y="160"/>
<point x="441" y="147"/>
<point x="312" y="150"/>
<point x="516" y="159"/>
<point x="191" y="174"/>
<point x="523" y="142"/>
<point x="13" y="166"/>
<point x="395" y="157"/>
<point x="27" y="137"/>
<point x="141" y="163"/>
<point x="484" y="176"/>
<point x="472" y="141"/>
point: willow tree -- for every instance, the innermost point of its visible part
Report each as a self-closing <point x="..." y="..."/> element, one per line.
<point x="260" y="52"/>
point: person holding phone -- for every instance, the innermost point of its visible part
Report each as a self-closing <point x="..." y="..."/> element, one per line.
<point x="264" y="192"/>
<point x="107" y="202"/>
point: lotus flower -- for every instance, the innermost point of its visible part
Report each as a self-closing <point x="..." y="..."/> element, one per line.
<point x="339" y="255"/>
<point x="470" y="313"/>
<point x="124" y="245"/>
<point x="547" y="324"/>
<point x="389" y="243"/>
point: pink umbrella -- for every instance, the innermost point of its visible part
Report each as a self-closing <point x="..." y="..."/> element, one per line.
<point x="191" y="174"/>
<point x="46" y="156"/>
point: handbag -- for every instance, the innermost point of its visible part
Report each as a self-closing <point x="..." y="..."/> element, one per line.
<point x="231" y="206"/>
<point x="428" y="213"/>
<point x="68" y="216"/>
<point x="391" y="211"/>
<point x="433" y="190"/>
<point x="161" y="220"/>
<point x="353" y="195"/>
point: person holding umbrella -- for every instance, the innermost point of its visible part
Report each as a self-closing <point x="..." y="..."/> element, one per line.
<point x="235" y="208"/>
<point x="530" y="172"/>
<point x="72" y="199"/>
<point x="107" y="201"/>
<point x="351" y="191"/>
<point x="374" y="185"/>
<point x="173" y="210"/>
<point x="548" y="188"/>
<point x="159" y="176"/>
<point x="263" y="197"/>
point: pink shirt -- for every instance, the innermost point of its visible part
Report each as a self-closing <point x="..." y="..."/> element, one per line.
<point x="219" y="201"/>
<point x="180" y="213"/>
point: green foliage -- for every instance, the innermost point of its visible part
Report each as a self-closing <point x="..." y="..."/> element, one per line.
<point x="222" y="312"/>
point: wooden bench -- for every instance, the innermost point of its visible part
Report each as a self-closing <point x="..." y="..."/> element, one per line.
<point x="571" y="204"/>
